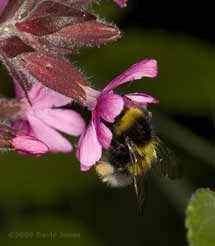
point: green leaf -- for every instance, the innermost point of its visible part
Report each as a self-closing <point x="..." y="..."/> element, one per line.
<point x="200" y="219"/>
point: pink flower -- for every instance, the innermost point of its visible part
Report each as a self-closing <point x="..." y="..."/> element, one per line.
<point x="121" y="3"/>
<point x="43" y="117"/>
<point x="11" y="139"/>
<point x="29" y="145"/>
<point x="106" y="106"/>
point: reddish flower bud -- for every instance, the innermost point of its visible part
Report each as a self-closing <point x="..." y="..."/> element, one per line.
<point x="50" y="17"/>
<point x="33" y="33"/>
<point x="54" y="72"/>
<point x="87" y="33"/>
<point x="51" y="26"/>
<point x="14" y="46"/>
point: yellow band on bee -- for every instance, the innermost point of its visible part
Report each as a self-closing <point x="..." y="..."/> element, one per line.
<point x="149" y="154"/>
<point x="127" y="120"/>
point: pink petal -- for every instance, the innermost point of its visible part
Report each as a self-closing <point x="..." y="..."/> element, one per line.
<point x="89" y="148"/>
<point x="140" y="99"/>
<point x="64" y="120"/>
<point x="42" y="97"/>
<point x="19" y="92"/>
<point x="29" y="145"/>
<point x="109" y="106"/>
<point x="91" y="97"/>
<point x="144" y="68"/>
<point x="121" y="3"/>
<point x="47" y="98"/>
<point x="54" y="140"/>
<point x="104" y="135"/>
<point x="3" y="4"/>
<point x="22" y="126"/>
<point x="85" y="168"/>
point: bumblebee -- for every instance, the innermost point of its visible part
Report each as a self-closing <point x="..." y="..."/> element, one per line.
<point x="134" y="151"/>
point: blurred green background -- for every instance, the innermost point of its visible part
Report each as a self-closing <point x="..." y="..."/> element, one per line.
<point x="47" y="200"/>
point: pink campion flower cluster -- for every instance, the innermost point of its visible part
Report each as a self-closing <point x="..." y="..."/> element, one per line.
<point x="36" y="37"/>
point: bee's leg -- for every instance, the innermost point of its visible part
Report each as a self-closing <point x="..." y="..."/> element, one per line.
<point x="133" y="162"/>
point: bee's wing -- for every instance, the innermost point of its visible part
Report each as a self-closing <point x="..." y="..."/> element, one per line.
<point x="138" y="180"/>
<point x="165" y="164"/>
<point x="141" y="185"/>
